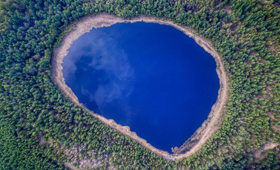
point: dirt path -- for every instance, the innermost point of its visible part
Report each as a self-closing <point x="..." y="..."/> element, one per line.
<point x="265" y="147"/>
<point x="104" y="20"/>
<point x="42" y="141"/>
<point x="68" y="165"/>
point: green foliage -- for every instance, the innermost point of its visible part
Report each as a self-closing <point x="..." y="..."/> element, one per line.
<point x="20" y="150"/>
<point x="245" y="33"/>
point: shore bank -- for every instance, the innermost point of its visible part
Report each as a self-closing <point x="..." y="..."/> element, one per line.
<point x="104" y="20"/>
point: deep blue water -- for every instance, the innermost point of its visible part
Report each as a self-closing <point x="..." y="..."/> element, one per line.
<point x="150" y="77"/>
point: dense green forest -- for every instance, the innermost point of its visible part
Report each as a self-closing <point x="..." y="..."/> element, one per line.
<point x="245" y="32"/>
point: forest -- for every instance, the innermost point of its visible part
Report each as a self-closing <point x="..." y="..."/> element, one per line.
<point x="41" y="129"/>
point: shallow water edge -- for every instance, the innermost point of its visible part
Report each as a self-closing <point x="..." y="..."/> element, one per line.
<point x="193" y="144"/>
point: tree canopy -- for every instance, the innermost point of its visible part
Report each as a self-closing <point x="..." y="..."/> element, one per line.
<point x="245" y="33"/>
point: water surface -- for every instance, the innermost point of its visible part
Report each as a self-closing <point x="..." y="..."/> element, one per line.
<point x="150" y="77"/>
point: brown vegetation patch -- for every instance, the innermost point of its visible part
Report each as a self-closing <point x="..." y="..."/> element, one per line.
<point x="270" y="115"/>
<point x="69" y="166"/>
<point x="42" y="141"/>
<point x="228" y="9"/>
<point x="86" y="162"/>
<point x="276" y="128"/>
<point x="265" y="147"/>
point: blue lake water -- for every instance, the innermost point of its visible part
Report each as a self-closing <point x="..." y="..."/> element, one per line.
<point x="150" y="77"/>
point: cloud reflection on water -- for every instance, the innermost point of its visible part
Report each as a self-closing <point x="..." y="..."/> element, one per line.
<point x="105" y="56"/>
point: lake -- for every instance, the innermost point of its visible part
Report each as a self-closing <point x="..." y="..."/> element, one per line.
<point x="150" y="77"/>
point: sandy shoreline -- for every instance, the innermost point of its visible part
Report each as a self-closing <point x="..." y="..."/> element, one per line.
<point x="104" y="20"/>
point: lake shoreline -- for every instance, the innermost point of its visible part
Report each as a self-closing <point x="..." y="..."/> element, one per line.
<point x="201" y="135"/>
